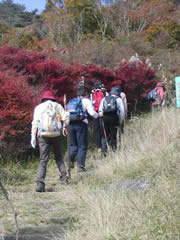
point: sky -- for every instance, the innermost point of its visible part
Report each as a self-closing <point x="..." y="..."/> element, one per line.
<point x="30" y="5"/>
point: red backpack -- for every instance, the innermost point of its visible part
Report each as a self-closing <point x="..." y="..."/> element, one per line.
<point x="96" y="98"/>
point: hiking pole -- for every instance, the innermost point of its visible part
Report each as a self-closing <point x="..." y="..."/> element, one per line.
<point x="69" y="169"/>
<point x="105" y="135"/>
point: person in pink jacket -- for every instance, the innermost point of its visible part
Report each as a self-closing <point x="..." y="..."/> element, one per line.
<point x="160" y="100"/>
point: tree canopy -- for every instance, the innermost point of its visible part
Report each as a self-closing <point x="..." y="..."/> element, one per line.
<point x="15" y="14"/>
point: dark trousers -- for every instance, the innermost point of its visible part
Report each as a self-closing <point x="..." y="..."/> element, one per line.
<point x="97" y="132"/>
<point x="111" y="122"/>
<point x="99" y="135"/>
<point x="78" y="136"/>
<point x="122" y="127"/>
<point x="44" y="147"/>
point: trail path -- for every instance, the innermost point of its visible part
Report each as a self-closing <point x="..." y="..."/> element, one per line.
<point x="42" y="215"/>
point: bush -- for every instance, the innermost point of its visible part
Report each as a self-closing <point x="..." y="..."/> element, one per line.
<point x="165" y="34"/>
<point x="24" y="74"/>
<point x="136" y="79"/>
<point x="17" y="100"/>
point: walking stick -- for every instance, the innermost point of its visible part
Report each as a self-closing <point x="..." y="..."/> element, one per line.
<point x="68" y="142"/>
<point x="105" y="135"/>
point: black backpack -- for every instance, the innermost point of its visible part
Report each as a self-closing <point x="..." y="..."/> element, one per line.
<point x="110" y="104"/>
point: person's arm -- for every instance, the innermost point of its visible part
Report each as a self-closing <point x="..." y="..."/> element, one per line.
<point x="125" y="103"/>
<point x="89" y="107"/>
<point x="34" y="127"/>
<point x="101" y="108"/>
<point x="121" y="109"/>
<point x="64" y="115"/>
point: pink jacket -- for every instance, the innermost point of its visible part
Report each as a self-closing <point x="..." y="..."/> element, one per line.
<point x="161" y="93"/>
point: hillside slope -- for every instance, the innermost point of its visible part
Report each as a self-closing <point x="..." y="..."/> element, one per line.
<point x="85" y="209"/>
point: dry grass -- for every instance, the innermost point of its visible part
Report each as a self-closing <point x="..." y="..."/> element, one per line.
<point x="150" y="149"/>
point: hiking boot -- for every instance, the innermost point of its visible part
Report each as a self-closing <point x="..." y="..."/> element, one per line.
<point x="40" y="187"/>
<point x="104" y="152"/>
<point x="81" y="169"/>
<point x="64" y="181"/>
<point x="71" y="164"/>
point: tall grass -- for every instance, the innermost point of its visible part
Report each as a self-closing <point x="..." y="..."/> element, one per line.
<point x="149" y="149"/>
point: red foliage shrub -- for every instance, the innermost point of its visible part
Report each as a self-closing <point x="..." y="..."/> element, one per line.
<point x="18" y="59"/>
<point x="16" y="103"/>
<point x="95" y="73"/>
<point x="136" y="80"/>
<point x="59" y="76"/>
<point x="24" y="74"/>
<point x="38" y="70"/>
<point x="17" y="100"/>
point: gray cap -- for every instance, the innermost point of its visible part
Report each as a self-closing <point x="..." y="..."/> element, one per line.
<point x="115" y="91"/>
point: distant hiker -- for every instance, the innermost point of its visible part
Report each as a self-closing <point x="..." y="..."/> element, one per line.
<point x="112" y="110"/>
<point x="79" y="108"/>
<point x="157" y="95"/>
<point x="49" y="120"/>
<point x="98" y="93"/>
<point x="124" y="99"/>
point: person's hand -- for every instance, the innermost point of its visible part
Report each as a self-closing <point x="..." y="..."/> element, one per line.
<point x="33" y="142"/>
<point x="100" y="114"/>
<point x="65" y="131"/>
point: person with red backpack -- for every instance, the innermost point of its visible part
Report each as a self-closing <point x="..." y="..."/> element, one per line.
<point x="98" y="93"/>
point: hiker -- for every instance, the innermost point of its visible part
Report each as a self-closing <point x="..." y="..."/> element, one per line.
<point x="113" y="113"/>
<point x="124" y="99"/>
<point x="49" y="121"/>
<point x="98" y="93"/>
<point x="157" y="95"/>
<point x="79" y="108"/>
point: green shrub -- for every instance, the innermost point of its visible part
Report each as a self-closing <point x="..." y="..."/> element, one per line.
<point x="164" y="34"/>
